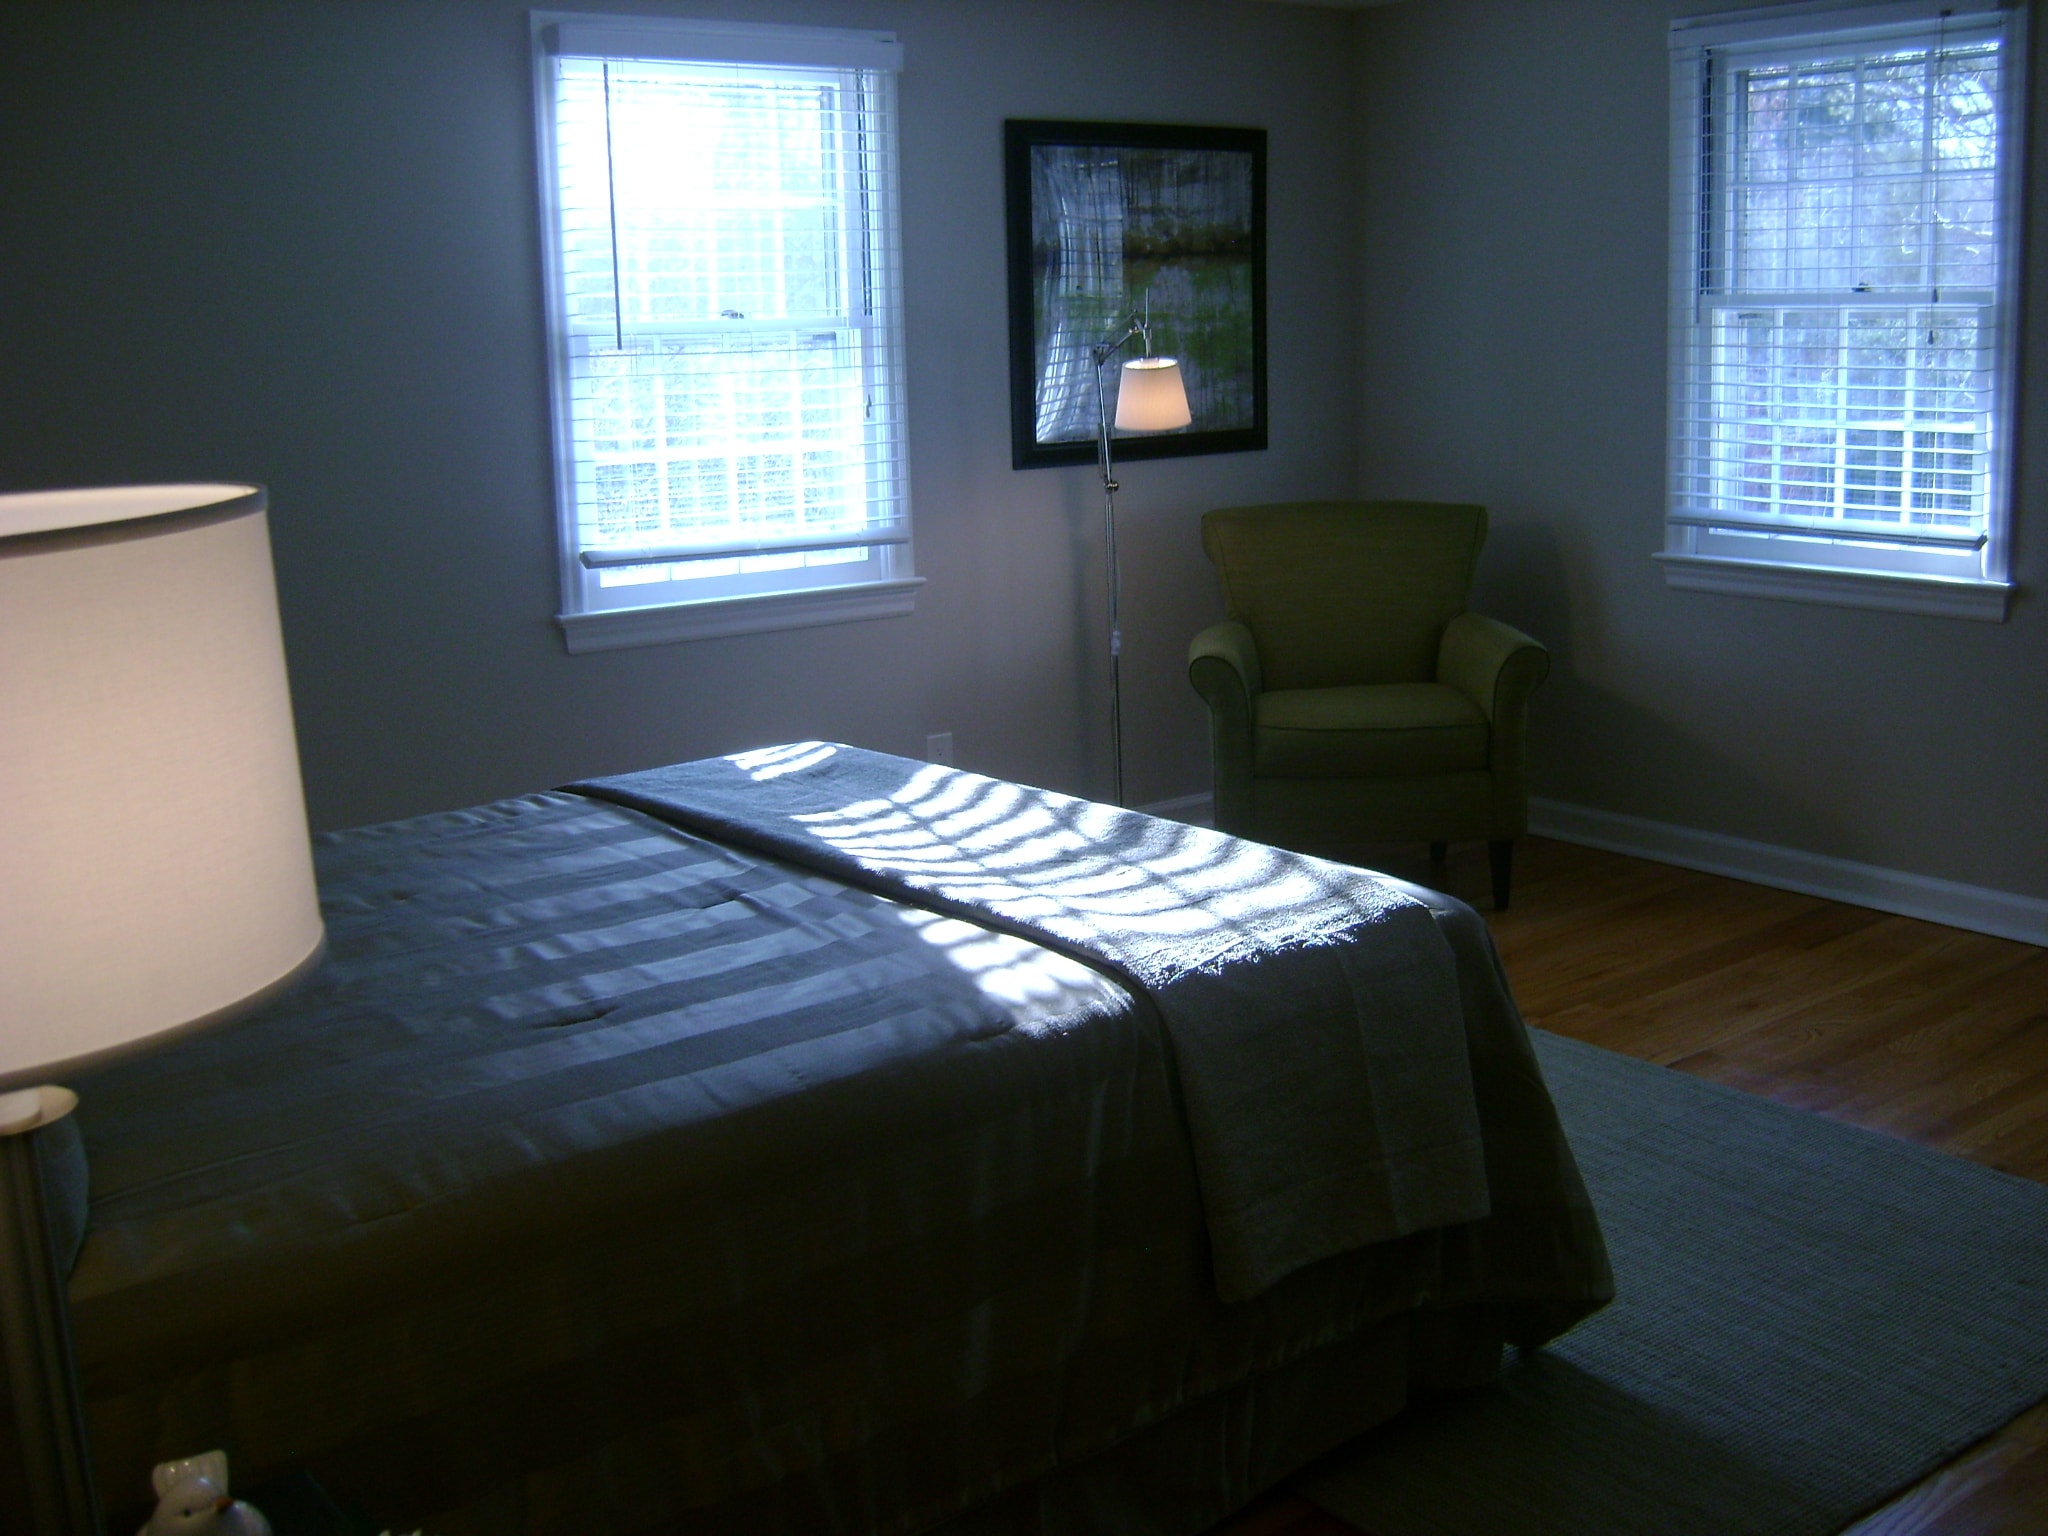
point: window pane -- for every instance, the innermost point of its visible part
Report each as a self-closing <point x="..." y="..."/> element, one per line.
<point x="1870" y="173"/>
<point x="1840" y="358"/>
<point x="725" y="194"/>
<point x="1843" y="412"/>
<point x="726" y="259"/>
<point x="761" y="434"/>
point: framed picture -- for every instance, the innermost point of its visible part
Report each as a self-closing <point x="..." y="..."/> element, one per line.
<point x="1113" y="220"/>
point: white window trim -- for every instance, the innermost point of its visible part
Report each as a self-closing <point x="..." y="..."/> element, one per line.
<point x="1941" y="597"/>
<point x="665" y="623"/>
<point x="616" y="629"/>
<point x="1687" y="565"/>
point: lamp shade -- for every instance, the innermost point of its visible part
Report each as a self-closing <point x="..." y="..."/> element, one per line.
<point x="155" y="872"/>
<point x="1151" y="396"/>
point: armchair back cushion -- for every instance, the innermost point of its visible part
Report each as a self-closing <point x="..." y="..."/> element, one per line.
<point x="1338" y="599"/>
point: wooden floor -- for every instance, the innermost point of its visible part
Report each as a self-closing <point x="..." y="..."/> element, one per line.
<point x="1930" y="1033"/>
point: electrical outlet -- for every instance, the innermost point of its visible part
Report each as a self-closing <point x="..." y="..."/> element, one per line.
<point x="938" y="748"/>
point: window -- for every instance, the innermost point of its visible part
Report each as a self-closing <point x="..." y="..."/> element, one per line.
<point x="1842" y="308"/>
<point x="719" y="210"/>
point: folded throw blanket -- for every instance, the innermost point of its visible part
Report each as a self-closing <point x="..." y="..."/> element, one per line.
<point x="1313" y="1012"/>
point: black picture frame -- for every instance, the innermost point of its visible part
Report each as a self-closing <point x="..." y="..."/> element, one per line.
<point x="1186" y="224"/>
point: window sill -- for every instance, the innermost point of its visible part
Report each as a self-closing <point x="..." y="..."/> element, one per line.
<point x="615" y="629"/>
<point x="1940" y="596"/>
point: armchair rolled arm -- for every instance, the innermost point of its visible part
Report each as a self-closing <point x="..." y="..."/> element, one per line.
<point x="1230" y="643"/>
<point x="1495" y="666"/>
<point x="1223" y="664"/>
<point x="1498" y="668"/>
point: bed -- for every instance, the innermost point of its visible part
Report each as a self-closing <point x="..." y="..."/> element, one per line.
<point x="636" y="1163"/>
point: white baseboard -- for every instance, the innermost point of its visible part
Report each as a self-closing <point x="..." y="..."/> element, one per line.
<point x="2005" y="914"/>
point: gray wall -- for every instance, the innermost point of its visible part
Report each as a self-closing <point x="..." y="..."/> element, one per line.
<point x="1513" y="216"/>
<point x="296" y="243"/>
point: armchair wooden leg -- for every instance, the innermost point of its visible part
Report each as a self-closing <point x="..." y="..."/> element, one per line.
<point x="1502" y="852"/>
<point x="1438" y="852"/>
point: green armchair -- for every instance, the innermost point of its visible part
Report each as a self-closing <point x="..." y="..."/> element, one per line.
<point x="1352" y="698"/>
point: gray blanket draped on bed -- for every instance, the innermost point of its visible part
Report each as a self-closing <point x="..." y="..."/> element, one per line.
<point x="1329" y="1097"/>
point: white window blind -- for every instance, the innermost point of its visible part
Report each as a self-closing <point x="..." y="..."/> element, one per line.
<point x="1842" y="292"/>
<point x="725" y="282"/>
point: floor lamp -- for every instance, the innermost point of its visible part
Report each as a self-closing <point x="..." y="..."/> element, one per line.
<point x="155" y="873"/>
<point x="1150" y="397"/>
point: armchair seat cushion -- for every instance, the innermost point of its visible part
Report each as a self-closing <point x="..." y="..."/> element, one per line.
<point x="1369" y="731"/>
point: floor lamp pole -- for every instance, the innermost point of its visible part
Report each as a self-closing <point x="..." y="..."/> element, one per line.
<point x="35" y="1330"/>
<point x="1151" y="398"/>
<point x="1103" y="354"/>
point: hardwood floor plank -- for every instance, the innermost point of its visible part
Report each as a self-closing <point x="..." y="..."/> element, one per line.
<point x="1907" y="1027"/>
<point x="1928" y="1042"/>
<point x="1919" y="1006"/>
<point x="1997" y="1488"/>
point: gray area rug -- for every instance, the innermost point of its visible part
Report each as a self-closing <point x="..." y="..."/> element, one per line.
<point x="1810" y="1318"/>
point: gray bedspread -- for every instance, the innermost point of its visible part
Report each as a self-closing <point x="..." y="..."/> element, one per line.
<point x="1313" y="1009"/>
<point x="610" y="1179"/>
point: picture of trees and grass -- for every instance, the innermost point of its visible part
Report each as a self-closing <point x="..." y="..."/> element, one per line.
<point x="1110" y="222"/>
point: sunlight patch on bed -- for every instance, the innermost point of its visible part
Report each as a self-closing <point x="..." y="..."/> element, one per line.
<point x="774" y="762"/>
<point x="1039" y="988"/>
<point x="1073" y="866"/>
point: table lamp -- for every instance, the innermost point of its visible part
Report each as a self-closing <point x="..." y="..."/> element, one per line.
<point x="1150" y="397"/>
<point x="155" y="872"/>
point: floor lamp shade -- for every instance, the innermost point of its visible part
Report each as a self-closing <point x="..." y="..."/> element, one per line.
<point x="155" y="872"/>
<point x="1151" y="397"/>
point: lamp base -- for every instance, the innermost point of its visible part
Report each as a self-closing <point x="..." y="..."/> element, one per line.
<point x="35" y="1329"/>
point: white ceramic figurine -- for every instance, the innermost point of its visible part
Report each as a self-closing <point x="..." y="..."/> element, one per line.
<point x="192" y="1500"/>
